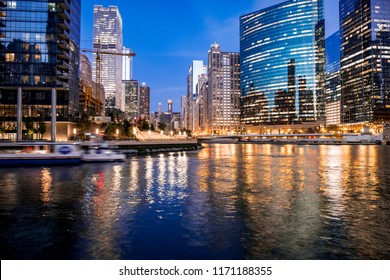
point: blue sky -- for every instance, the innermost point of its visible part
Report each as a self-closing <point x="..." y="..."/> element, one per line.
<point x="168" y="35"/>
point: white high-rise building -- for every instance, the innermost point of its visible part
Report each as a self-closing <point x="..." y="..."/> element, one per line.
<point x="127" y="65"/>
<point x="196" y="69"/>
<point x="107" y="37"/>
<point x="223" y="92"/>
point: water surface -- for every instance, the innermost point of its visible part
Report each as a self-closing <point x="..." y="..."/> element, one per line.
<point x="227" y="201"/>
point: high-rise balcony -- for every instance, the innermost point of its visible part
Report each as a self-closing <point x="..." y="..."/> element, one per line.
<point x="63" y="54"/>
<point x="62" y="84"/>
<point x="63" y="65"/>
<point x="63" y="75"/>
<point x="64" y="34"/>
<point x="63" y="44"/>
<point x="64" y="4"/>
<point x="63" y="23"/>
<point x="64" y="13"/>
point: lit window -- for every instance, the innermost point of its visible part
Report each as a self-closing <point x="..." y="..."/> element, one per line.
<point x="52" y="7"/>
<point x="9" y="57"/>
<point x="11" y="5"/>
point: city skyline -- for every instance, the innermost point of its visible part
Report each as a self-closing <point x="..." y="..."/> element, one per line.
<point x="165" y="49"/>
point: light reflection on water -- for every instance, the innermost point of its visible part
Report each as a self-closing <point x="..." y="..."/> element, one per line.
<point x="226" y="201"/>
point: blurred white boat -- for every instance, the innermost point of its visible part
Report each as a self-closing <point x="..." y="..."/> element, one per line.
<point x="101" y="152"/>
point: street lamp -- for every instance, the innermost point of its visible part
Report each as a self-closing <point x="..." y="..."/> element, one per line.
<point x="117" y="133"/>
<point x="74" y="133"/>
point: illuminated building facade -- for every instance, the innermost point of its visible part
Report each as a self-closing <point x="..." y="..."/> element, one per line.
<point x="144" y="101"/>
<point x="127" y="65"/>
<point x="333" y="80"/>
<point x="283" y="64"/>
<point x="39" y="57"/>
<point x="223" y="94"/>
<point x="91" y="100"/>
<point x="195" y="70"/>
<point x="107" y="36"/>
<point x="200" y="104"/>
<point x="131" y="90"/>
<point x="365" y="60"/>
<point x="184" y="107"/>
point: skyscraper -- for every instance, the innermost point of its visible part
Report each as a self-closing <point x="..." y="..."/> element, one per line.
<point x="144" y="101"/>
<point x="283" y="64"/>
<point x="39" y="57"/>
<point x="365" y="60"/>
<point x="107" y="36"/>
<point x="223" y="95"/>
<point x="127" y="65"/>
<point x="131" y="91"/>
<point x="184" y="107"/>
<point x="200" y="104"/>
<point x="91" y="100"/>
<point x="333" y="81"/>
<point x="196" y="69"/>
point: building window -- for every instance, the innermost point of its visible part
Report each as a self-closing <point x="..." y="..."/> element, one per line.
<point x="9" y="57"/>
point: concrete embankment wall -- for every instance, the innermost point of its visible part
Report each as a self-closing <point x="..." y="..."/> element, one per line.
<point x="144" y="147"/>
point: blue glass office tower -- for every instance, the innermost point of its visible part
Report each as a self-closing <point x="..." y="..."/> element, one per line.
<point x="332" y="46"/>
<point x="283" y="64"/>
<point x="39" y="57"/>
<point x="365" y="60"/>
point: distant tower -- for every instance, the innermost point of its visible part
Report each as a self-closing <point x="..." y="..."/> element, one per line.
<point x="144" y="100"/>
<point x="170" y="106"/>
<point x="107" y="35"/>
<point x="127" y="65"/>
<point x="159" y="110"/>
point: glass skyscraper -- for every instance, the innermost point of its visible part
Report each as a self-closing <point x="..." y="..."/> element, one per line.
<point x="333" y="81"/>
<point x="39" y="62"/>
<point x="365" y="60"/>
<point x="107" y="36"/>
<point x="283" y="64"/>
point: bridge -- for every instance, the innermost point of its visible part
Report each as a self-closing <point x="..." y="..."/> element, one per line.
<point x="249" y="136"/>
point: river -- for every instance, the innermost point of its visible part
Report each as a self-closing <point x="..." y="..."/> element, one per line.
<point x="226" y="201"/>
